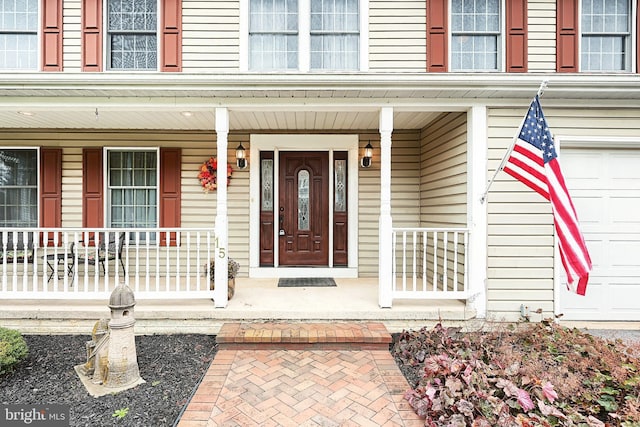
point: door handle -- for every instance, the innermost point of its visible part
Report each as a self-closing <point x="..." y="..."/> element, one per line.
<point x="281" y="221"/>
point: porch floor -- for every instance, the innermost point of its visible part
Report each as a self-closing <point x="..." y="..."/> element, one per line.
<point x="254" y="300"/>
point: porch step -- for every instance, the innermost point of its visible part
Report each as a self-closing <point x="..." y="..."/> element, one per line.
<point x="304" y="336"/>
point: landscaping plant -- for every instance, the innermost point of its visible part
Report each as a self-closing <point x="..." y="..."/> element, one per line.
<point x="13" y="349"/>
<point x="525" y="375"/>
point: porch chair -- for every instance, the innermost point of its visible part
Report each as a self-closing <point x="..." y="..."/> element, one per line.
<point x="17" y="251"/>
<point x="106" y="251"/>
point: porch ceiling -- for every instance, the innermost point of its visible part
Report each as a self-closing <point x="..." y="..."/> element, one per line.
<point x="281" y="102"/>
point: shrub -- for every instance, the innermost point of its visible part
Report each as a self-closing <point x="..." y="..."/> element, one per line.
<point x="531" y="375"/>
<point x="13" y="349"/>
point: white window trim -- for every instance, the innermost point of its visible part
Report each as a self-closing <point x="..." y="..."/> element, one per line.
<point x="502" y="43"/>
<point x="106" y="52"/>
<point x="105" y="178"/>
<point x="304" y="40"/>
<point x="633" y="40"/>
<point x="38" y="174"/>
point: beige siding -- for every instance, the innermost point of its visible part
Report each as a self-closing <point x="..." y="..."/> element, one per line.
<point x="71" y="25"/>
<point x="542" y="35"/>
<point x="520" y="223"/>
<point x="210" y="36"/>
<point x="397" y="36"/>
<point x="405" y="187"/>
<point x="443" y="180"/>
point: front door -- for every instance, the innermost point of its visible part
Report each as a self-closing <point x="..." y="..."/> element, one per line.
<point x="304" y="208"/>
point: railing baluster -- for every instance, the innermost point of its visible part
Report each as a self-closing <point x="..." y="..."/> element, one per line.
<point x="414" y="261"/>
<point x="404" y="261"/>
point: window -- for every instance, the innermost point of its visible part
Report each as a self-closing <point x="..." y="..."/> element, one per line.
<point x="303" y="35"/>
<point x="132" y="34"/>
<point x="334" y="35"/>
<point x="18" y="188"/>
<point x="132" y="188"/>
<point x="475" y="35"/>
<point x="273" y="27"/>
<point x="18" y="34"/>
<point x="606" y="35"/>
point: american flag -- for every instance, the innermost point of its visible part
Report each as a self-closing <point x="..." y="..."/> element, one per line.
<point x="534" y="161"/>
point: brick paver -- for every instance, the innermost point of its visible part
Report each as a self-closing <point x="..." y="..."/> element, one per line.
<point x="305" y="374"/>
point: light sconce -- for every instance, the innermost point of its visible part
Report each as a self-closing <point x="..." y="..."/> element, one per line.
<point x="241" y="159"/>
<point x="368" y="154"/>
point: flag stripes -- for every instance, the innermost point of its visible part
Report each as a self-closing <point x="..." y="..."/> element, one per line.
<point x="534" y="162"/>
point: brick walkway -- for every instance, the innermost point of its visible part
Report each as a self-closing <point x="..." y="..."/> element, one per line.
<point x="301" y="374"/>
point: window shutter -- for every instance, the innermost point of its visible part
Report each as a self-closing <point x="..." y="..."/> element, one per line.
<point x="52" y="35"/>
<point x="567" y="36"/>
<point x="517" y="38"/>
<point x="51" y="187"/>
<point x="437" y="49"/>
<point x="637" y="39"/>
<point x="171" y="36"/>
<point x="91" y="35"/>
<point x="170" y="193"/>
<point x="92" y="188"/>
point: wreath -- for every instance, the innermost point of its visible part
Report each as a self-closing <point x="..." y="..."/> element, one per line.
<point x="208" y="174"/>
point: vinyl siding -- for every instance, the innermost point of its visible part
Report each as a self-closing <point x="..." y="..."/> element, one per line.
<point x="397" y="36"/>
<point x="520" y="264"/>
<point x="542" y="35"/>
<point x="211" y="36"/>
<point x="71" y="46"/>
<point x="405" y="187"/>
<point x="443" y="177"/>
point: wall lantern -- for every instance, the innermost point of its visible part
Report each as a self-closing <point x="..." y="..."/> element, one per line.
<point x="368" y="154"/>
<point x="241" y="159"/>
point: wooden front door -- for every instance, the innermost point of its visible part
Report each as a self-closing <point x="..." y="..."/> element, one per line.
<point x="303" y="215"/>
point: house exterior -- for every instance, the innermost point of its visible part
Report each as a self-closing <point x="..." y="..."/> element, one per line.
<point x="110" y="110"/>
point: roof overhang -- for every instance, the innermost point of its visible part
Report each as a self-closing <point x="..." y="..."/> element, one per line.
<point x="284" y="101"/>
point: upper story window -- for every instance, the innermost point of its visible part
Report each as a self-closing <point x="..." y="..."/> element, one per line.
<point x="334" y="35"/>
<point x="605" y="35"/>
<point x="18" y="35"/>
<point x="132" y="34"/>
<point x="18" y="188"/>
<point x="319" y="35"/>
<point x="475" y="35"/>
<point x="132" y="189"/>
<point x="273" y="37"/>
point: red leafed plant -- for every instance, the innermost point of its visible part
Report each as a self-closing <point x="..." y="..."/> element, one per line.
<point x="529" y="375"/>
<point x="208" y="175"/>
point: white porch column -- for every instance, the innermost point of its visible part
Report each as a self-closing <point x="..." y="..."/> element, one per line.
<point x="385" y="297"/>
<point x="222" y="222"/>
<point x="476" y="258"/>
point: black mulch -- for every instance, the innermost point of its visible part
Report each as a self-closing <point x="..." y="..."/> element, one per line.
<point x="171" y="365"/>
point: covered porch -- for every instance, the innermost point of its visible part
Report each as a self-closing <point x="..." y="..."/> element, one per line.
<point x="254" y="300"/>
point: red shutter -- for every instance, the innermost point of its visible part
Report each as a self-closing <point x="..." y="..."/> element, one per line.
<point x="170" y="193"/>
<point x="637" y="39"/>
<point x="517" y="36"/>
<point x="91" y="35"/>
<point x="567" y="36"/>
<point x="51" y="187"/>
<point x="437" y="30"/>
<point x="51" y="35"/>
<point x="171" y="36"/>
<point x="92" y="188"/>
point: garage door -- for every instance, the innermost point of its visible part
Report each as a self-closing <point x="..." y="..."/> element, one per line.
<point x="605" y="188"/>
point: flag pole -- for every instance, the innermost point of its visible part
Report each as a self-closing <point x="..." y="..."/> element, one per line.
<point x="541" y="89"/>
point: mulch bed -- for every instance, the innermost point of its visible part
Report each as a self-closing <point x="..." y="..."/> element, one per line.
<point x="171" y="365"/>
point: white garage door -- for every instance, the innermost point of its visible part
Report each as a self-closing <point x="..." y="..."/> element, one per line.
<point x="605" y="188"/>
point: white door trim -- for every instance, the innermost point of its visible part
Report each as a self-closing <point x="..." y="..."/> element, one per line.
<point x="302" y="142"/>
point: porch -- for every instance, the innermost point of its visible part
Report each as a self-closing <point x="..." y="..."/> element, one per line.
<point x="254" y="300"/>
<point x="42" y="270"/>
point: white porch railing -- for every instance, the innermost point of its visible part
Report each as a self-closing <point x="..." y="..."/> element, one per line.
<point x="430" y="263"/>
<point x="80" y="263"/>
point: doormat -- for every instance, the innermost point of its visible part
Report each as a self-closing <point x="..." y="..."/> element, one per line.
<point x="305" y="282"/>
